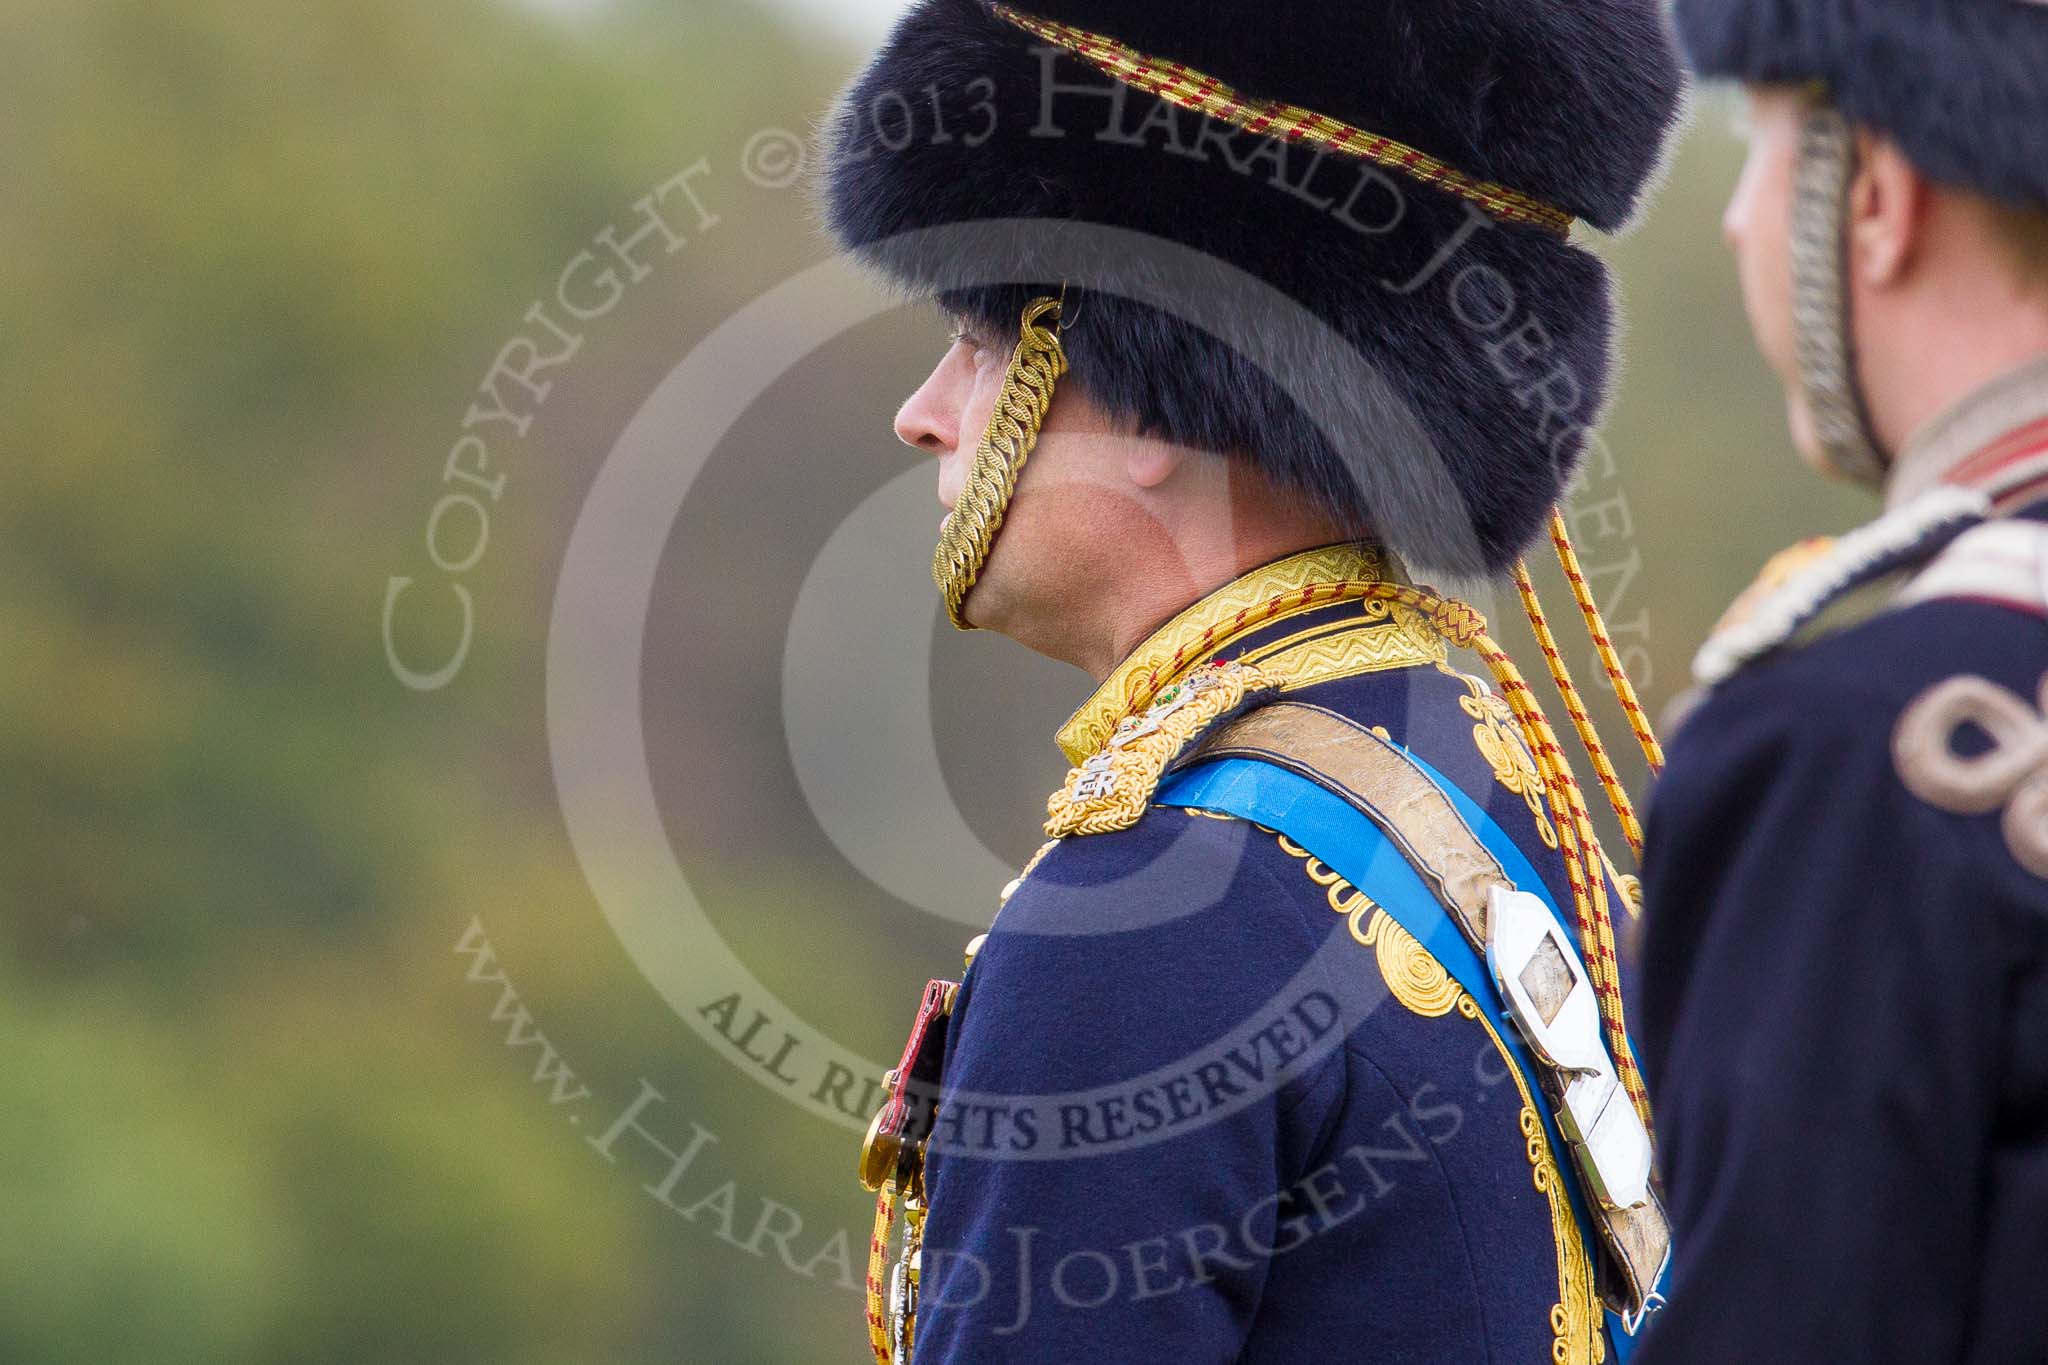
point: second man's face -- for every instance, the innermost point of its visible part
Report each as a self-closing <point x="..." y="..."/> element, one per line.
<point x="1758" y="228"/>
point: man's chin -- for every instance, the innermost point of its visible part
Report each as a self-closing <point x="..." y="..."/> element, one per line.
<point x="975" y="609"/>
<point x="989" y="603"/>
<point x="974" y="606"/>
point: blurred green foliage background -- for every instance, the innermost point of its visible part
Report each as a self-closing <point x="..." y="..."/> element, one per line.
<point x="255" y="260"/>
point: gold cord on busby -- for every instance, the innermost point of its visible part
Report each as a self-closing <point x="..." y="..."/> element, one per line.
<point x="970" y="530"/>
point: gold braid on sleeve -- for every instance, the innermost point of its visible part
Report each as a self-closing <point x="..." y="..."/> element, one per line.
<point x="970" y="530"/>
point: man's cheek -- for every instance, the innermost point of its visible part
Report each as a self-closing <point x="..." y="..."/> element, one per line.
<point x="981" y="403"/>
<point x="1767" y="294"/>
<point x="1761" y="237"/>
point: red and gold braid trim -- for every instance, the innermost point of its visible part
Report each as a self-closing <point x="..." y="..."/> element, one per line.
<point x="887" y="1204"/>
<point x="1206" y="95"/>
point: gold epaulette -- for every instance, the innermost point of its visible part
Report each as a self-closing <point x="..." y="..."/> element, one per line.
<point x="1111" y="790"/>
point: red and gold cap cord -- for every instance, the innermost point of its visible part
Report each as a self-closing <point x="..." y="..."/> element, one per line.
<point x="1610" y="663"/>
<point x="969" y="533"/>
<point x="1191" y="90"/>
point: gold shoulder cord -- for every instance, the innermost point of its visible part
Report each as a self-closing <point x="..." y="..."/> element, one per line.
<point x="1584" y="860"/>
<point x="970" y="529"/>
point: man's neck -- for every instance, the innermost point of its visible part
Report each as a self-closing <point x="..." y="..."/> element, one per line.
<point x="1142" y="606"/>
<point x="1948" y="443"/>
<point x="1929" y="350"/>
<point x="1154" y="594"/>
<point x="1218" y="625"/>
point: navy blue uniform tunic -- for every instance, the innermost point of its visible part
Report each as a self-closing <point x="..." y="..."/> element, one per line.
<point x="1175" y="1128"/>
<point x="1844" y="1015"/>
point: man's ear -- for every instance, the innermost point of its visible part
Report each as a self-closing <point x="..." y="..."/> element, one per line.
<point x="1152" y="462"/>
<point x="1888" y="211"/>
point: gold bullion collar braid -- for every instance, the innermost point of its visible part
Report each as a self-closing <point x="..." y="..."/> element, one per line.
<point x="1191" y="90"/>
<point x="1288" y="587"/>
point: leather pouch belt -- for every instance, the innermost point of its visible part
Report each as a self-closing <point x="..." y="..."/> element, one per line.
<point x="1535" y="976"/>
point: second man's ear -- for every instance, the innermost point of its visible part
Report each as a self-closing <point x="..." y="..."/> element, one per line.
<point x="1888" y="207"/>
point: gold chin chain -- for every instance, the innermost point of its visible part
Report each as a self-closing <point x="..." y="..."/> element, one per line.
<point x="970" y="530"/>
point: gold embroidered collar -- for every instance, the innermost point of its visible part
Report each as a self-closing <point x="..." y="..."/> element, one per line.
<point x="1287" y="587"/>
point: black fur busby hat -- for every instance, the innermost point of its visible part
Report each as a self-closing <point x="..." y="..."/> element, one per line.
<point x="1382" y="191"/>
<point x="1960" y="85"/>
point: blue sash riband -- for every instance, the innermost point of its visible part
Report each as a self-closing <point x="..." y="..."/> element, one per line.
<point x="1346" y="840"/>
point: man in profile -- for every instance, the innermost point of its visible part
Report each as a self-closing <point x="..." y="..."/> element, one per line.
<point x="1844" y="986"/>
<point x="1252" y="305"/>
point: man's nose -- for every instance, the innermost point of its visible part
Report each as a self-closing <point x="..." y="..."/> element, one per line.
<point x="927" y="422"/>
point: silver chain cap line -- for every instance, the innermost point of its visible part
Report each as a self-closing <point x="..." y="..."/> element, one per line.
<point x="1820" y="299"/>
